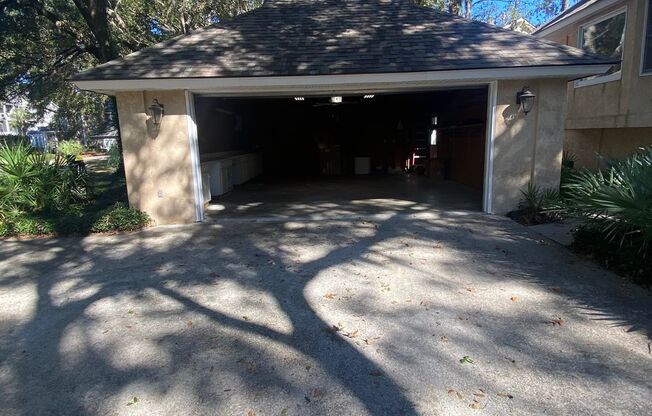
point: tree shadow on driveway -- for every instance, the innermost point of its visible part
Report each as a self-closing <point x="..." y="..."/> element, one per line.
<point x="314" y="317"/>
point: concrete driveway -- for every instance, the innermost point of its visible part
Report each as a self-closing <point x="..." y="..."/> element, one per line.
<point x="408" y="312"/>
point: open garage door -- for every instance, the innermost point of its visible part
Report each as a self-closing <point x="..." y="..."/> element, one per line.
<point x="271" y="156"/>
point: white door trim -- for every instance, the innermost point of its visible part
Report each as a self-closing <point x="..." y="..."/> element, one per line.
<point x="194" y="156"/>
<point x="487" y="189"/>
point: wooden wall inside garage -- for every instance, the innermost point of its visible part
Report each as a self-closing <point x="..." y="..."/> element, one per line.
<point x="462" y="149"/>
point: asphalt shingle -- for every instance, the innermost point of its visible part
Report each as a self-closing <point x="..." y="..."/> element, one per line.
<point x="328" y="37"/>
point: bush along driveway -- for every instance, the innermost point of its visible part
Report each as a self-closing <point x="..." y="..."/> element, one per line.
<point x="406" y="313"/>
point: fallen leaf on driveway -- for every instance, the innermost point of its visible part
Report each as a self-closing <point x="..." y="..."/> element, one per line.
<point x="514" y="298"/>
<point x="475" y="405"/>
<point x="466" y="359"/>
<point x="556" y="321"/>
<point x="317" y="393"/>
<point x="506" y="395"/>
<point x="132" y="401"/>
<point x="284" y="412"/>
<point x="245" y="317"/>
<point x="351" y="334"/>
<point x="189" y="323"/>
<point x="470" y="289"/>
<point x="329" y="295"/>
<point x="251" y="413"/>
<point x="555" y="289"/>
<point x="376" y="373"/>
<point x="453" y="392"/>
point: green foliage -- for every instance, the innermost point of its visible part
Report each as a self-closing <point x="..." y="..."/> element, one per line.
<point x="538" y="206"/>
<point x="616" y="201"/>
<point x="623" y="258"/>
<point x="32" y="182"/>
<point x="114" y="157"/>
<point x="120" y="217"/>
<point x="70" y="148"/>
<point x="21" y="120"/>
<point x="11" y="139"/>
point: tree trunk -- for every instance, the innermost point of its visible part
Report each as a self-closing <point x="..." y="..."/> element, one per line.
<point x="467" y="8"/>
<point x="564" y="5"/>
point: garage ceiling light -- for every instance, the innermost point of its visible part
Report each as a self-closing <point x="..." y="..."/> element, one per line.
<point x="336" y="100"/>
<point x="299" y="98"/>
<point x="368" y="96"/>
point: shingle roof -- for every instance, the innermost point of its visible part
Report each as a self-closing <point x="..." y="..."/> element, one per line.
<point x="326" y="37"/>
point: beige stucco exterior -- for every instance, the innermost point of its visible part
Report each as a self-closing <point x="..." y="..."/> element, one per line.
<point x="527" y="148"/>
<point x="622" y="107"/>
<point x="158" y="165"/>
<point x="159" y="168"/>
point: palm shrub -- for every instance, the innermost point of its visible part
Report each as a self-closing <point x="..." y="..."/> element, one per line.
<point x="31" y="181"/>
<point x="616" y="202"/>
<point x="538" y="205"/>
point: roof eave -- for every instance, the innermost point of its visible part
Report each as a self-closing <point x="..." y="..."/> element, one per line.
<point x="318" y="84"/>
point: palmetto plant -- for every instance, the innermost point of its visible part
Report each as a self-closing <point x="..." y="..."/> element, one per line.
<point x="33" y="182"/>
<point x="539" y="205"/>
<point x="616" y="201"/>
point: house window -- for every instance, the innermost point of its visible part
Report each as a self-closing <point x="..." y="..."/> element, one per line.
<point x="647" y="41"/>
<point x="604" y="37"/>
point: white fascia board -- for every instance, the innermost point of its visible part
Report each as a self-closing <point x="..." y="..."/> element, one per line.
<point x="319" y="84"/>
<point x="586" y="12"/>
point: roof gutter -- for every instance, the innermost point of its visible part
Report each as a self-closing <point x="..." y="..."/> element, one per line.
<point x="319" y="84"/>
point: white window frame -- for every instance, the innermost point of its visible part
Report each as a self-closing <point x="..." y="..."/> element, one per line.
<point x="646" y="10"/>
<point x="601" y="79"/>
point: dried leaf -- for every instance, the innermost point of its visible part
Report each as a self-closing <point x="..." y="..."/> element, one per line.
<point x="556" y="321"/>
<point x="470" y="289"/>
<point x="466" y="359"/>
<point x="284" y="412"/>
<point x="132" y="401"/>
<point x="245" y="317"/>
<point x="329" y="295"/>
<point x="351" y="334"/>
<point x="317" y="393"/>
<point x="444" y="338"/>
<point x="251" y="413"/>
<point x="514" y="298"/>
<point x="555" y="289"/>
<point x="506" y="395"/>
<point x="475" y="405"/>
<point x="376" y="373"/>
<point x="189" y="323"/>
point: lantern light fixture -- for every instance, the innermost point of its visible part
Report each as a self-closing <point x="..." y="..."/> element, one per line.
<point x="156" y="113"/>
<point x="525" y="98"/>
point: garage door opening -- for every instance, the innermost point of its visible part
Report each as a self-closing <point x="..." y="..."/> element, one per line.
<point x="293" y="155"/>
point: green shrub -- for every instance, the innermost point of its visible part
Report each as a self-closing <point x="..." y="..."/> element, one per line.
<point x="120" y="217"/>
<point x="616" y="201"/>
<point x="11" y="139"/>
<point x="33" y="182"/>
<point x="70" y="148"/>
<point x="114" y="157"/>
<point x="537" y="206"/>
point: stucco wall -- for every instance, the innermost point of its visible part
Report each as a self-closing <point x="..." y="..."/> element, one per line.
<point x="585" y="144"/>
<point x="623" y="103"/>
<point x="157" y="164"/>
<point x="527" y="148"/>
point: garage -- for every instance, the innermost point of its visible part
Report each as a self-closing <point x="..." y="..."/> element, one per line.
<point x="274" y="153"/>
<point x="382" y="103"/>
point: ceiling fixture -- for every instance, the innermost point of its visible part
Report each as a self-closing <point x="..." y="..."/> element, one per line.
<point x="299" y="99"/>
<point x="336" y="100"/>
<point x="526" y="99"/>
<point x="368" y="96"/>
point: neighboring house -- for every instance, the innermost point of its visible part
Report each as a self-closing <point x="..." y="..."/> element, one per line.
<point x="366" y="79"/>
<point x="5" y="118"/>
<point x="608" y="114"/>
<point x="520" y="25"/>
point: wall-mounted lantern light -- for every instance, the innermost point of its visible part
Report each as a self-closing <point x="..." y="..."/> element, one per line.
<point x="526" y="99"/>
<point x="156" y="113"/>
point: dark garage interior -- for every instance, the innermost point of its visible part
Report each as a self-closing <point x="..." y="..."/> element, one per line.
<point x="415" y="146"/>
